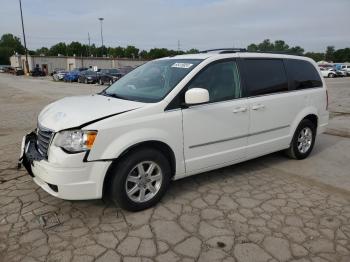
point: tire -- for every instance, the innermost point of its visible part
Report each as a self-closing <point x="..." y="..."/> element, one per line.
<point x="125" y="175"/>
<point x="301" y="146"/>
<point x="331" y="75"/>
<point x="78" y="80"/>
<point x="110" y="82"/>
<point x="100" y="82"/>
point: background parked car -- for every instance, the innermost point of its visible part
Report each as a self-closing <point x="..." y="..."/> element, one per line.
<point x="15" y="71"/>
<point x="126" y="69"/>
<point x="37" y="72"/>
<point x="56" y="70"/>
<point x="109" y="76"/>
<point x="328" y="72"/>
<point x="88" y="77"/>
<point x="59" y="75"/>
<point x="3" y="68"/>
<point x="341" y="73"/>
<point x="72" y="76"/>
<point x="346" y="68"/>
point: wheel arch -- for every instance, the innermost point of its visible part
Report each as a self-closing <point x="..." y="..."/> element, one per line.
<point x="309" y="113"/>
<point x="158" y="145"/>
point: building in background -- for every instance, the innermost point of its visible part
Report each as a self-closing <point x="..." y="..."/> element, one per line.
<point x="50" y="63"/>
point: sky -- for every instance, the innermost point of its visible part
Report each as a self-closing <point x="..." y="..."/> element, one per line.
<point x="201" y="24"/>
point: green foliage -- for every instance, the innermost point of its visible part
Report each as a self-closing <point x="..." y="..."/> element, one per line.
<point x="42" y="51"/>
<point x="131" y="52"/>
<point x="315" y="56"/>
<point x="58" y="49"/>
<point x="277" y="46"/>
<point x="9" y="45"/>
<point x="342" y="55"/>
<point x="329" y="56"/>
<point x="192" y="51"/>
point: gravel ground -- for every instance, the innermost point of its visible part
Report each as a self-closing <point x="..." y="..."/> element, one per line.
<point x="268" y="209"/>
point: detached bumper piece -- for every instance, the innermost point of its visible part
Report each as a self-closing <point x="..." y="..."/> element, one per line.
<point x="30" y="153"/>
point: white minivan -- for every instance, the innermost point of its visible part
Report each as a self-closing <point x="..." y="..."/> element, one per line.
<point x="175" y="117"/>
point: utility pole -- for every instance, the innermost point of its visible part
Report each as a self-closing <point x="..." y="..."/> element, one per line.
<point x="89" y="44"/>
<point x="101" y="20"/>
<point x="24" y="39"/>
<point x="178" y="46"/>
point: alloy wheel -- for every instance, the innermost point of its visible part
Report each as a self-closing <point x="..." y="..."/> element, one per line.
<point x="143" y="181"/>
<point x="304" y="140"/>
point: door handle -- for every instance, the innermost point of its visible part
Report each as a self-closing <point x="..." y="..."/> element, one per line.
<point x="257" y="107"/>
<point x="239" y="110"/>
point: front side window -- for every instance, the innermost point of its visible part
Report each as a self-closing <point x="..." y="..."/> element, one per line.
<point x="265" y="76"/>
<point x="152" y="81"/>
<point x="302" y="74"/>
<point x="221" y="79"/>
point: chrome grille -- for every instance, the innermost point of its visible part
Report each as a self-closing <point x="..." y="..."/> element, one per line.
<point x="44" y="139"/>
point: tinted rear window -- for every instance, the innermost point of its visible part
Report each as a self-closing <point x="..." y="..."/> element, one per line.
<point x="265" y="76"/>
<point x="302" y="74"/>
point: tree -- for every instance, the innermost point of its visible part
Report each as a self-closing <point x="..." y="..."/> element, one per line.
<point x="252" y="48"/>
<point x="266" y="45"/>
<point x="131" y="51"/>
<point x="143" y="54"/>
<point x="342" y="55"/>
<point x="58" y="49"/>
<point x="192" y="51"/>
<point x="42" y="51"/>
<point x="116" y="51"/>
<point x="9" y="45"/>
<point x="315" y="56"/>
<point x="329" y="56"/>
<point x="296" y="50"/>
<point x="76" y="48"/>
<point x="280" y="45"/>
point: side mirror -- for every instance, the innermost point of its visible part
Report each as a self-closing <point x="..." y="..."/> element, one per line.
<point x="196" y="96"/>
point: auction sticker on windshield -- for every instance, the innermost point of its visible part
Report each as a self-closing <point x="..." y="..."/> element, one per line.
<point x="182" y="65"/>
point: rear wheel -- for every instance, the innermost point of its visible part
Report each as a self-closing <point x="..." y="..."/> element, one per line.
<point x="110" y="82"/>
<point x="331" y="75"/>
<point x="100" y="82"/>
<point x="140" y="179"/>
<point x="303" y="140"/>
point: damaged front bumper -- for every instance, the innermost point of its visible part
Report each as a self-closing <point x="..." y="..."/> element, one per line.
<point x="65" y="176"/>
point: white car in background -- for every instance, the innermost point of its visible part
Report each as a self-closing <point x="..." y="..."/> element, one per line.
<point x="346" y="68"/>
<point x="328" y="72"/>
<point x="175" y="117"/>
<point x="59" y="75"/>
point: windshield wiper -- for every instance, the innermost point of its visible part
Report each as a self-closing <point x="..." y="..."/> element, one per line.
<point x="104" y="93"/>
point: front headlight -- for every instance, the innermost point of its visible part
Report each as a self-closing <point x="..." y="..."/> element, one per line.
<point x="75" y="140"/>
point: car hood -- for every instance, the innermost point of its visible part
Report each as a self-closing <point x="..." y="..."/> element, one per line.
<point x="71" y="112"/>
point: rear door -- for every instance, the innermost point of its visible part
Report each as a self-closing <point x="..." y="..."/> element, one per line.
<point x="215" y="133"/>
<point x="272" y="107"/>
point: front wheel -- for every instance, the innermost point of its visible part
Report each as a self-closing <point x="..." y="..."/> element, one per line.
<point x="303" y="140"/>
<point x="140" y="179"/>
<point x="331" y="75"/>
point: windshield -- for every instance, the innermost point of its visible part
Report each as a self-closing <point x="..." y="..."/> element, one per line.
<point x="152" y="81"/>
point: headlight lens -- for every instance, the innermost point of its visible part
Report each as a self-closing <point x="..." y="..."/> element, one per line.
<point x="75" y="140"/>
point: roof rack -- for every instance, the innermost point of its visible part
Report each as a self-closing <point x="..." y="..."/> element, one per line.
<point x="225" y="50"/>
<point x="238" y="50"/>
